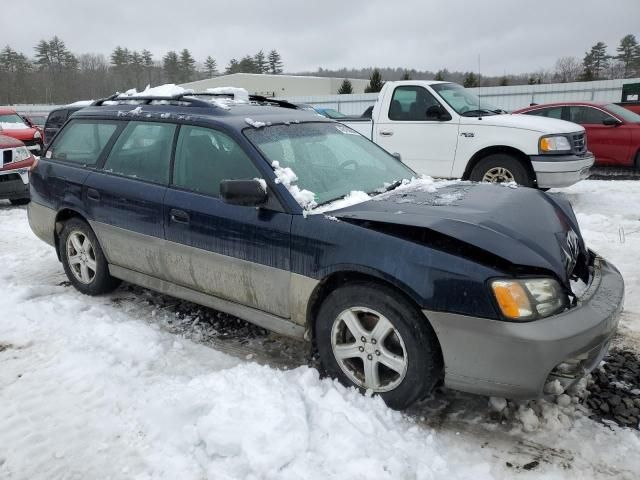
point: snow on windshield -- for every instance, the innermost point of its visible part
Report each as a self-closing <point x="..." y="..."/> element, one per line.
<point x="287" y="177"/>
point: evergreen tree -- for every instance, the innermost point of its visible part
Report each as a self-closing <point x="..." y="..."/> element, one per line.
<point x="14" y="67"/>
<point x="260" y="62"/>
<point x="470" y="80"/>
<point x="375" y="82"/>
<point x="275" y="62"/>
<point x="596" y="60"/>
<point x="171" y="66"/>
<point x="233" y="67"/>
<point x="247" y="65"/>
<point x="346" y="87"/>
<point x="629" y="55"/>
<point x="504" y="81"/>
<point x="147" y="62"/>
<point x="439" y="75"/>
<point x="136" y="65"/>
<point x="186" y="66"/>
<point x="211" y="67"/>
<point x="405" y="75"/>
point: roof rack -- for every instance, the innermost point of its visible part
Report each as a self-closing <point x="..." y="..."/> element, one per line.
<point x="191" y="100"/>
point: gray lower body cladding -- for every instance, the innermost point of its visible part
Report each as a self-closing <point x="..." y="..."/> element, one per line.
<point x="516" y="360"/>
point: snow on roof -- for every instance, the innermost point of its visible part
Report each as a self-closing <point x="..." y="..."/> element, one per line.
<point x="81" y="103"/>
<point x="167" y="90"/>
<point x="238" y="93"/>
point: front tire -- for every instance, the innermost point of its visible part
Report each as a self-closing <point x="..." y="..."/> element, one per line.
<point x="501" y="168"/>
<point x="83" y="259"/>
<point x="368" y="336"/>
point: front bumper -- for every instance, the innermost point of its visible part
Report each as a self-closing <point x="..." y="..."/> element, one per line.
<point x="516" y="360"/>
<point x="557" y="171"/>
<point x="14" y="183"/>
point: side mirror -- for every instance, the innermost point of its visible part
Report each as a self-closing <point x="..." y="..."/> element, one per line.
<point x="438" y="112"/>
<point x="397" y="156"/>
<point x="249" y="193"/>
<point x="611" y="122"/>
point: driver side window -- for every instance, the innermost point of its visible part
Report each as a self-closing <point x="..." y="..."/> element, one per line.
<point x="411" y="104"/>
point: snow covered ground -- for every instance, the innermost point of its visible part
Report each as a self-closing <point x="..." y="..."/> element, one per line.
<point x="137" y="385"/>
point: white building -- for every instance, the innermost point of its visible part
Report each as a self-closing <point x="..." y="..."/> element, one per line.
<point x="278" y="85"/>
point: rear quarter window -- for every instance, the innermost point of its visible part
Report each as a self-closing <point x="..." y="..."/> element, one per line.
<point x="56" y="118"/>
<point x="82" y="141"/>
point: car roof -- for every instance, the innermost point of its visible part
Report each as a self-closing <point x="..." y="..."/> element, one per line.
<point x="563" y="104"/>
<point x="6" y="111"/>
<point x="236" y="115"/>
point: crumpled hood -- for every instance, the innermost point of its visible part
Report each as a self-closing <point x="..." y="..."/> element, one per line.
<point x="528" y="122"/>
<point x="523" y="226"/>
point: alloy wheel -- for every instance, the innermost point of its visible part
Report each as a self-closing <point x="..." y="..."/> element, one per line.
<point x="498" y="175"/>
<point x="81" y="257"/>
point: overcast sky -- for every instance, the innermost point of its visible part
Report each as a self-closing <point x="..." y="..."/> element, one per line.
<point x="512" y="36"/>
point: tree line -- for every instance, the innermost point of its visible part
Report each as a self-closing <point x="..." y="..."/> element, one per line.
<point x="597" y="64"/>
<point x="56" y="75"/>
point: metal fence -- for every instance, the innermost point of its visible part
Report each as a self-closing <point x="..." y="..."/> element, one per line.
<point x="509" y="98"/>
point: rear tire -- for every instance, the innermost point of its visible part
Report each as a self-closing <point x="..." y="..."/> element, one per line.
<point x="83" y="259"/>
<point x="370" y="337"/>
<point x="19" y="201"/>
<point x="501" y="167"/>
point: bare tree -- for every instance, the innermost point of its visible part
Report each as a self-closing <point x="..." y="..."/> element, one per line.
<point x="568" y="69"/>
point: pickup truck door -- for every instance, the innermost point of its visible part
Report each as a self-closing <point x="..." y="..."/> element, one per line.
<point x="408" y="125"/>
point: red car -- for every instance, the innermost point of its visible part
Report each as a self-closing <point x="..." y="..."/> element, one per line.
<point x="13" y="125"/>
<point x="613" y="132"/>
<point x="15" y="163"/>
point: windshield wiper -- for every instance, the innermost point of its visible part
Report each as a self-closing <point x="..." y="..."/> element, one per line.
<point x="477" y="113"/>
<point x="393" y="185"/>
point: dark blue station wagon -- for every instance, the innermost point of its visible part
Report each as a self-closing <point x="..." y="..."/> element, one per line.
<point x="298" y="224"/>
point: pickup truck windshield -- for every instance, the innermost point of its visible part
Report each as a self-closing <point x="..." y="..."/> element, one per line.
<point x="464" y="102"/>
<point x="329" y="159"/>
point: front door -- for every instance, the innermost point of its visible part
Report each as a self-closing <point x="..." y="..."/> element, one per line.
<point x="237" y="253"/>
<point x="425" y="143"/>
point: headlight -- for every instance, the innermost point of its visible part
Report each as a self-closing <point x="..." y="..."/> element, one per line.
<point x="37" y="135"/>
<point x="21" y="153"/>
<point x="554" y="144"/>
<point x="529" y="299"/>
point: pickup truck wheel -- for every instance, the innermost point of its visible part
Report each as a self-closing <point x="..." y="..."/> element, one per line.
<point x="501" y="168"/>
<point x="83" y="259"/>
<point x="370" y="337"/>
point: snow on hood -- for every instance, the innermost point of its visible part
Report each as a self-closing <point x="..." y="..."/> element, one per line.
<point x="12" y="126"/>
<point x="526" y="122"/>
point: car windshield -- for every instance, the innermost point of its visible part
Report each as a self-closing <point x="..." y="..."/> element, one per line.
<point x="12" y="120"/>
<point x="329" y="159"/>
<point x="625" y="114"/>
<point x="464" y="102"/>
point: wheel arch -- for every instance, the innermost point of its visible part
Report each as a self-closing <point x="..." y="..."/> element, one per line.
<point x="337" y="279"/>
<point x="63" y="216"/>
<point x="504" y="149"/>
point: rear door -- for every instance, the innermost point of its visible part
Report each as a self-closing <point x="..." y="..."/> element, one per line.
<point x="426" y="144"/>
<point x="611" y="144"/>
<point x="237" y="253"/>
<point x="125" y="198"/>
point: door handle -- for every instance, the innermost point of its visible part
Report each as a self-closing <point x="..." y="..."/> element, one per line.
<point x="386" y="133"/>
<point x="179" y="216"/>
<point x="93" y="194"/>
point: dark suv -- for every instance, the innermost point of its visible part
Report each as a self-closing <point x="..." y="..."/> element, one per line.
<point x="296" y="223"/>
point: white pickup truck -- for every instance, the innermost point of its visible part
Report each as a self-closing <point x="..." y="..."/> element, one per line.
<point x="441" y="129"/>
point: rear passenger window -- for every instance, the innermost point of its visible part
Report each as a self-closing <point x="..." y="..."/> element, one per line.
<point x="555" y="112"/>
<point x="143" y="151"/>
<point x="205" y="157"/>
<point x="82" y="141"/>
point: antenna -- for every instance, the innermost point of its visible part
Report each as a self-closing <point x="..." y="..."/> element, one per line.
<point x="479" y="110"/>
